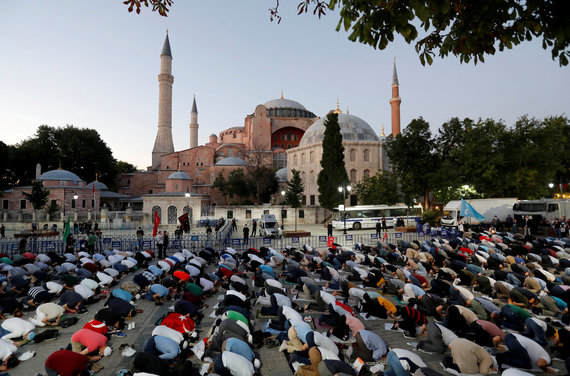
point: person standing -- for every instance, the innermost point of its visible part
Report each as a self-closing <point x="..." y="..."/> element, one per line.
<point x="253" y="227"/>
<point x="378" y="228"/>
<point x="245" y="234"/>
<point x="2" y="231"/>
<point x="165" y="242"/>
<point x="234" y="225"/>
<point x="384" y="225"/>
<point x="91" y="239"/>
<point x="329" y="229"/>
<point x="160" y="244"/>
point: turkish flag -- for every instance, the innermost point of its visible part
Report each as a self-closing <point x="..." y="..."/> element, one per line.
<point x="156" y="223"/>
<point x="330" y="241"/>
<point x="385" y="236"/>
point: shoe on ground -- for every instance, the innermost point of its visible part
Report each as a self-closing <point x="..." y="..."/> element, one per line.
<point x="283" y="346"/>
<point x="119" y="334"/>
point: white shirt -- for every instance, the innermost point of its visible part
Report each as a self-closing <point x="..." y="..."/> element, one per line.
<point x="6" y="349"/>
<point x="322" y="340"/>
<point x="291" y="314"/>
<point x="535" y="351"/>
<point x="327" y="354"/>
<point x="165" y="331"/>
<point x="84" y="291"/>
<point x="206" y="284"/>
<point x="413" y="357"/>
<point x="17" y="327"/>
<point x="237" y="364"/>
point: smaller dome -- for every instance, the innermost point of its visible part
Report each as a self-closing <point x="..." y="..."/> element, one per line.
<point x="98" y="185"/>
<point x="231" y="161"/>
<point x="284" y="103"/>
<point x="281" y="174"/>
<point x="179" y="175"/>
<point x="59" y="175"/>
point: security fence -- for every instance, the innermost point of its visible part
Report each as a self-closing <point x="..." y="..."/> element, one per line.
<point x="216" y="240"/>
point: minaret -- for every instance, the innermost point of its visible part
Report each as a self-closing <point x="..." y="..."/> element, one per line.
<point x="194" y="125"/>
<point x="395" y="103"/>
<point x="163" y="144"/>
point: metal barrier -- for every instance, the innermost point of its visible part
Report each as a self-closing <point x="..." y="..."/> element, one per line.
<point x="217" y="240"/>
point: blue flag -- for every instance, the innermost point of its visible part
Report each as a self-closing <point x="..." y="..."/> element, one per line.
<point x="468" y="211"/>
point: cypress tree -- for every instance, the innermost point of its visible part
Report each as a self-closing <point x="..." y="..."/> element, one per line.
<point x="333" y="173"/>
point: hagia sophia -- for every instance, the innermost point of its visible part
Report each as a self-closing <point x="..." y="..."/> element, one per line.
<point x="281" y="133"/>
<point x="283" y="130"/>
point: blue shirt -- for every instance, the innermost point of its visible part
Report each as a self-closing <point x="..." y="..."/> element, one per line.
<point x="238" y="346"/>
<point x="302" y="329"/>
<point x="561" y="304"/>
<point x="122" y="294"/>
<point x="159" y="289"/>
<point x="488" y="305"/>
<point x="375" y="343"/>
<point x="155" y="270"/>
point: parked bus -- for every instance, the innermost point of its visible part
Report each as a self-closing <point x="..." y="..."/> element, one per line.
<point x="366" y="216"/>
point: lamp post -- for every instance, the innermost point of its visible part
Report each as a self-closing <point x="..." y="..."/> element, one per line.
<point x="343" y="190"/>
<point x="282" y="208"/>
<point x="75" y="196"/>
<point x="187" y="195"/>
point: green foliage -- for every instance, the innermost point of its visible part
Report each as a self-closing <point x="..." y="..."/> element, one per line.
<point x="333" y="173"/>
<point x="125" y="167"/>
<point x="263" y="183"/>
<point x="38" y="197"/>
<point x="414" y="160"/>
<point x="431" y="217"/>
<point x="81" y="151"/>
<point x="294" y="192"/>
<point x="469" y="30"/>
<point x="160" y="6"/>
<point x="52" y="208"/>
<point x="381" y="188"/>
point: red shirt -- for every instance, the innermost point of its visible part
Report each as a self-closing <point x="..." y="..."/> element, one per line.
<point x="67" y="363"/>
<point x="178" y="322"/>
<point x="181" y="275"/>
<point x="90" y="339"/>
<point x="96" y="326"/>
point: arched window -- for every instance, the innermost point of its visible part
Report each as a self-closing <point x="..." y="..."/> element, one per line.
<point x="312" y="177"/>
<point x="172" y="215"/>
<point x="312" y="157"/>
<point x="295" y="161"/>
<point x="353" y="176"/>
<point x="230" y="152"/>
<point x="303" y="158"/>
<point x="366" y="155"/>
<point x="366" y="173"/>
<point x="156" y="210"/>
<point x="303" y="177"/>
<point x="352" y="155"/>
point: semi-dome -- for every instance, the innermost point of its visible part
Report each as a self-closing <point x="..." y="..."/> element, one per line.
<point x="179" y="175"/>
<point x="231" y="161"/>
<point x="352" y="128"/>
<point x="59" y="175"/>
<point x="281" y="174"/>
<point x="98" y="185"/>
<point x="284" y="103"/>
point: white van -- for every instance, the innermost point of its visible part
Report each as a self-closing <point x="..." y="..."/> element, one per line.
<point x="268" y="227"/>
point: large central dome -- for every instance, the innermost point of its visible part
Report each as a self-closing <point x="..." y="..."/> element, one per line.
<point x="284" y="103"/>
<point x="352" y="128"/>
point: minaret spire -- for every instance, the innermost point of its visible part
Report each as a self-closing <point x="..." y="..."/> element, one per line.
<point x="395" y="102"/>
<point x="163" y="144"/>
<point x="194" y="125"/>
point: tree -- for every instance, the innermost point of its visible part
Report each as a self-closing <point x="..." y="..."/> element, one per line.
<point x="381" y="188"/>
<point x="235" y="185"/>
<point x="294" y="192"/>
<point x="333" y="173"/>
<point x="467" y="29"/>
<point x="263" y="182"/>
<point x="38" y="196"/>
<point x="125" y="167"/>
<point x="414" y="160"/>
<point x="79" y="150"/>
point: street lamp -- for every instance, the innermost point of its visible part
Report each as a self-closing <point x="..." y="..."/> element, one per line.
<point x="282" y="209"/>
<point x="75" y="196"/>
<point x="187" y="195"/>
<point x="343" y="190"/>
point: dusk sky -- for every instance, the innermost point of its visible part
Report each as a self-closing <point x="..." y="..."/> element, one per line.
<point x="93" y="64"/>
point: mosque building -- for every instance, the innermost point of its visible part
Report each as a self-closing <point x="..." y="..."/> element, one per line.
<point x="281" y="133"/>
<point x="282" y="130"/>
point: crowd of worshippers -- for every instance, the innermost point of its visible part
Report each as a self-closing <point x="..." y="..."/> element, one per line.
<point x="487" y="302"/>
